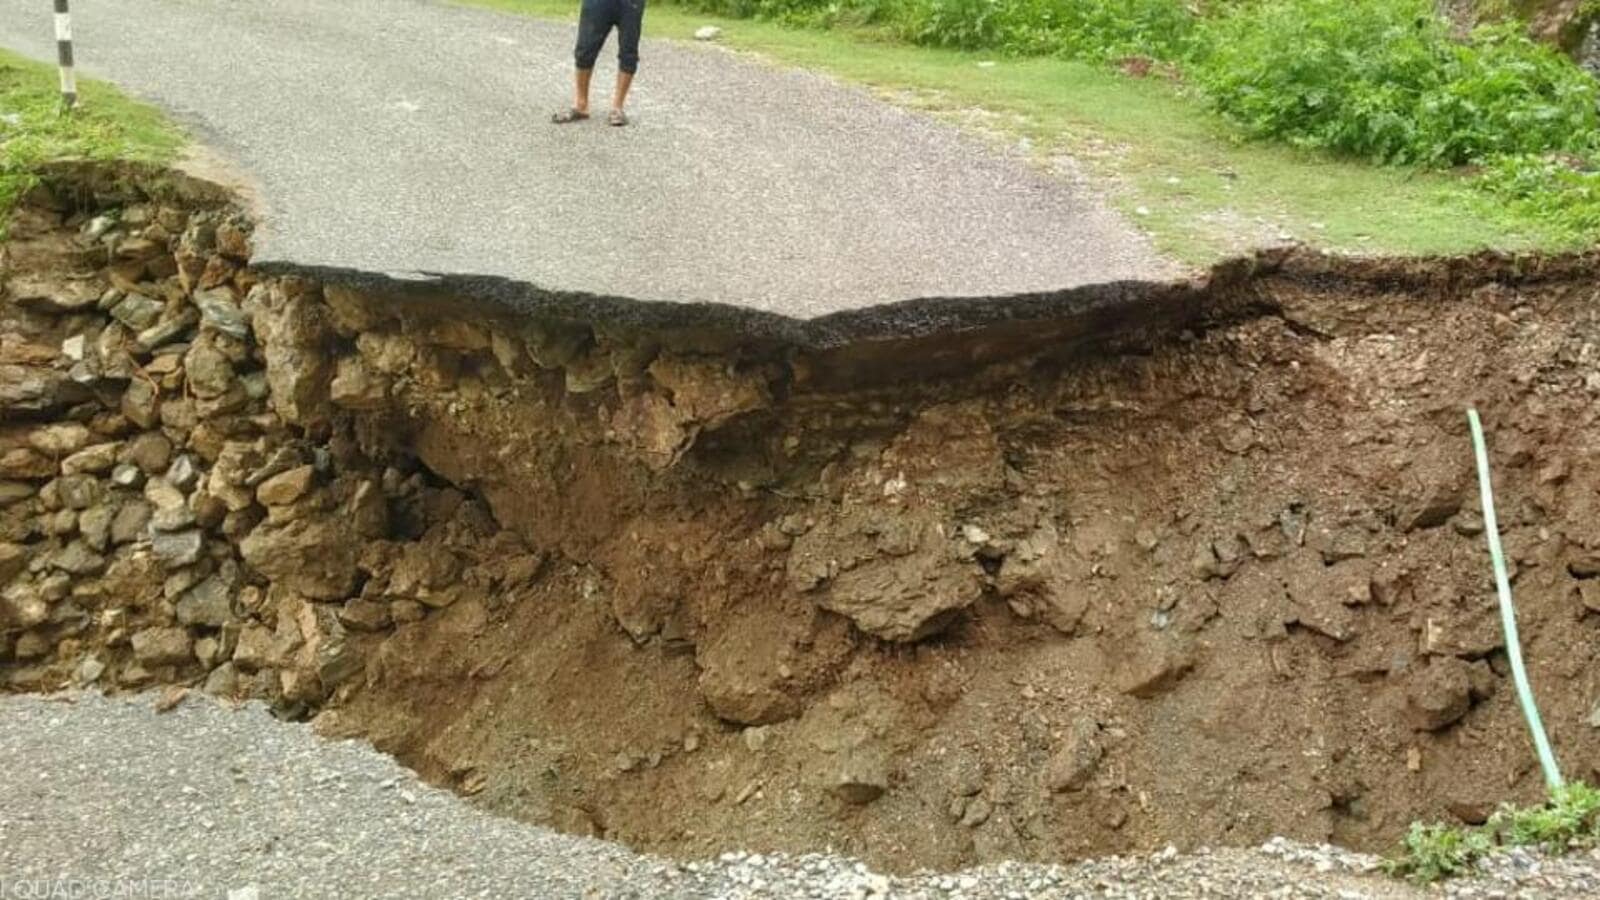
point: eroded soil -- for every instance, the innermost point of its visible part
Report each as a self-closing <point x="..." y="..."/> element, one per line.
<point x="1210" y="579"/>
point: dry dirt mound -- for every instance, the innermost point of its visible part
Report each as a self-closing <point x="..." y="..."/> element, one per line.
<point x="1020" y="594"/>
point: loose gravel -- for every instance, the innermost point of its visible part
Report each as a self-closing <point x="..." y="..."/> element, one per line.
<point x="106" y="797"/>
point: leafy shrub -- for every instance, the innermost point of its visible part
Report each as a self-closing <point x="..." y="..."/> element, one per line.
<point x="1080" y="29"/>
<point x="1431" y="852"/>
<point x="1569" y="820"/>
<point x="1385" y="80"/>
<point x="1559" y="191"/>
<point x="1084" y="29"/>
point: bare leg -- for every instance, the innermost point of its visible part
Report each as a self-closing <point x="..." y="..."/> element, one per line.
<point x="580" y="101"/>
<point x="624" y="81"/>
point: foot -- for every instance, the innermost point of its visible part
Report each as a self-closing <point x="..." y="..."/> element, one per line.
<point x="569" y="115"/>
<point x="617" y="118"/>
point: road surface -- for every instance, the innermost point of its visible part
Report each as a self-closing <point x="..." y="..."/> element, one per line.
<point x="401" y="137"/>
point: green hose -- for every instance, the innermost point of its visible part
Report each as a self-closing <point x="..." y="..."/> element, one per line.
<point x="1508" y="613"/>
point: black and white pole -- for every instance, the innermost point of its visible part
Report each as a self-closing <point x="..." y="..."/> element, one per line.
<point x="69" y="81"/>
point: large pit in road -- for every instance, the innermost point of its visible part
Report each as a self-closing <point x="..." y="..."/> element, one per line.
<point x="1193" y="564"/>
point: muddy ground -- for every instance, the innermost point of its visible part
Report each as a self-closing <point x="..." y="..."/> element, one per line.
<point x="1199" y="577"/>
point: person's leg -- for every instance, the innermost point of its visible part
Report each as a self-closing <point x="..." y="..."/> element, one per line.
<point x="580" y="85"/>
<point x="620" y="96"/>
<point x="594" y="23"/>
<point x="630" y="23"/>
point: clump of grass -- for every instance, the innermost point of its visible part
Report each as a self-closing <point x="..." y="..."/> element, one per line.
<point x="1569" y="821"/>
<point x="34" y="129"/>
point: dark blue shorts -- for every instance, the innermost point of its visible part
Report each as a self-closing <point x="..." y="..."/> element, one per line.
<point x="596" y="20"/>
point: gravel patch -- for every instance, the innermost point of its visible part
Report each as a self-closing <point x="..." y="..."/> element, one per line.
<point x="104" y="796"/>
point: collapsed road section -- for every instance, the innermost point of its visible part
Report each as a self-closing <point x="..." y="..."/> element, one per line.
<point x="1197" y="567"/>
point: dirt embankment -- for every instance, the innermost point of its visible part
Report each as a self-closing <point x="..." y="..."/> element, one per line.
<point x="1202" y="581"/>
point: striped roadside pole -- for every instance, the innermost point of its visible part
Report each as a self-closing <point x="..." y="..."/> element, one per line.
<point x="69" y="81"/>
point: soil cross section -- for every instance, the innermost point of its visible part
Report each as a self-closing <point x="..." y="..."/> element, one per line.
<point x="412" y="139"/>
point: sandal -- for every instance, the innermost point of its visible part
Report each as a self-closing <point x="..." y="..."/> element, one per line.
<point x="616" y="118"/>
<point x="568" y="116"/>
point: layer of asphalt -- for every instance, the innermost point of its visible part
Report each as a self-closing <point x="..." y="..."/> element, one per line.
<point x="399" y="139"/>
<point x="105" y="797"/>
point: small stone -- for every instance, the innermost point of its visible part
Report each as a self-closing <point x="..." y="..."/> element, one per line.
<point x="206" y="650"/>
<point x="95" y="460"/>
<point x="208" y="370"/>
<point x="183" y="473"/>
<point x="78" y="491"/>
<point x="74" y="348"/>
<point x="1154" y="672"/>
<point x="172" y="518"/>
<point x="403" y="611"/>
<point x="707" y="33"/>
<point x="1074" y="762"/>
<point x="161" y="494"/>
<point x="141" y="403"/>
<point x="89" y="671"/>
<point x="208" y="603"/>
<point x="364" y="615"/>
<point x="163" y="333"/>
<point x="176" y="549"/>
<point x="13" y="492"/>
<point x="976" y="813"/>
<point x="55" y="298"/>
<point x="862" y="777"/>
<point x="755" y="739"/>
<point x="130" y="522"/>
<point x="126" y="475"/>
<point x="137" y="311"/>
<point x="355" y="387"/>
<point x="150" y="451"/>
<point x="24" y="463"/>
<point x="162" y="646"/>
<point x="28" y="606"/>
<point x="219" y="310"/>
<point x="287" y="487"/>
<point x="13" y="559"/>
<point x="223" y="681"/>
<point x="233" y="241"/>
<point x="60" y="523"/>
<point x="31" y="645"/>
<point x="95" y="526"/>
<point x="60" y="439"/>
<point x="1438" y="695"/>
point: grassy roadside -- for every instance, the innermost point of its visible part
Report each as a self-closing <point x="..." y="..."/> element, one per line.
<point x="1175" y="169"/>
<point x="106" y="125"/>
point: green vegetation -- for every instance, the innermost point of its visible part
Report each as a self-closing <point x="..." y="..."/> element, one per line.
<point x="34" y="130"/>
<point x="1571" y="820"/>
<point x="1384" y="80"/>
<point x="1183" y="173"/>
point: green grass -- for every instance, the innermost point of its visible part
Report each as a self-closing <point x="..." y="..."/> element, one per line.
<point x="1173" y="167"/>
<point x="1569" y="821"/>
<point x="33" y="130"/>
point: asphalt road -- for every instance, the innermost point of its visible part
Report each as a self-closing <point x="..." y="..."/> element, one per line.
<point x="401" y="137"/>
